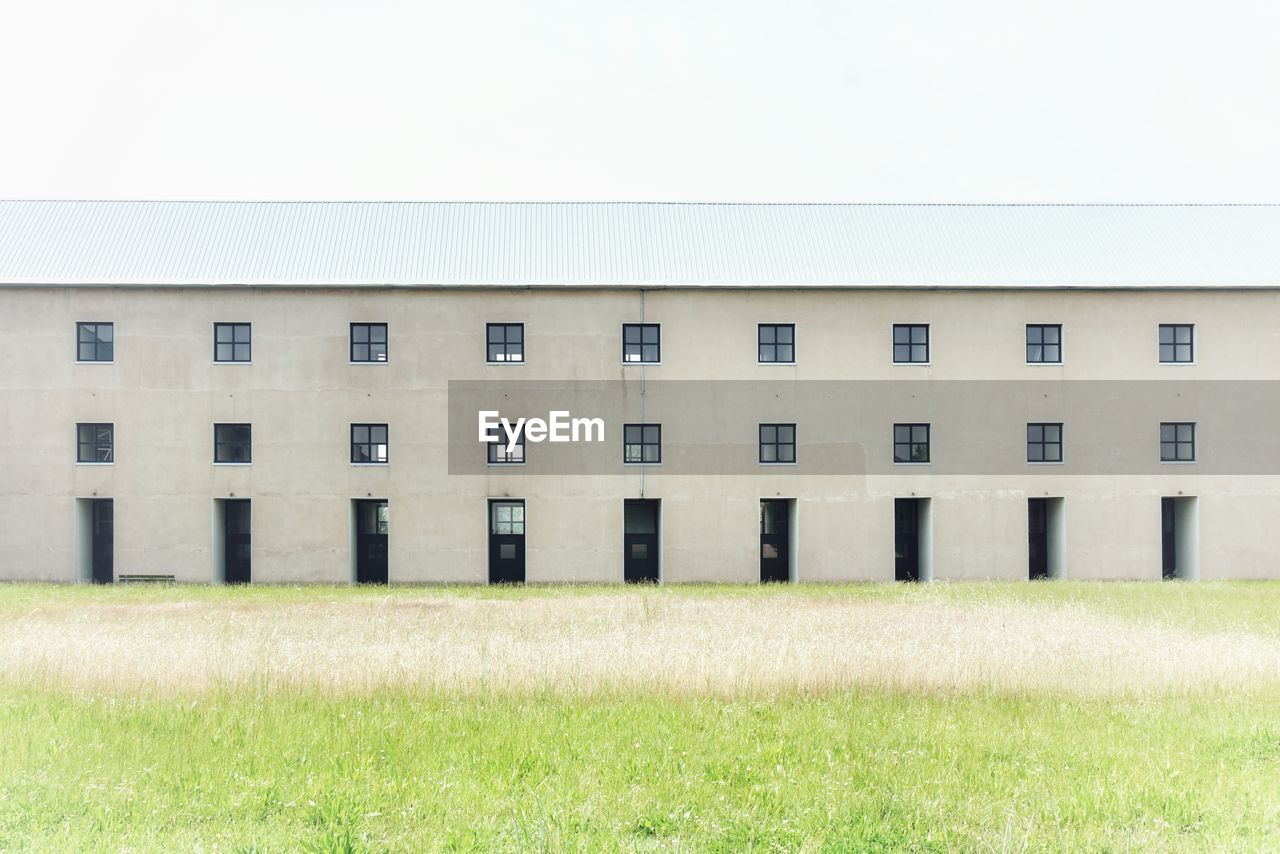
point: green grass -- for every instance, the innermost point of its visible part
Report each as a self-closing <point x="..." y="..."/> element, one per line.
<point x="846" y="770"/>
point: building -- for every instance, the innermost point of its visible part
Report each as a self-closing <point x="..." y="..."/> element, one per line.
<point x="283" y="392"/>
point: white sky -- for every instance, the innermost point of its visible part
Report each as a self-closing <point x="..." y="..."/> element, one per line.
<point x="940" y="100"/>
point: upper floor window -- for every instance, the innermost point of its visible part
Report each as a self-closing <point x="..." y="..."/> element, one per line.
<point x="777" y="343"/>
<point x="777" y="443"/>
<point x="1044" y="443"/>
<point x="641" y="343"/>
<point x="1178" y="442"/>
<point x="911" y="443"/>
<point x="232" y="443"/>
<point x="505" y="342"/>
<point x="95" y="342"/>
<point x="642" y="443"/>
<point x="911" y="343"/>
<point x="368" y="342"/>
<point x="232" y="342"/>
<point x="1177" y="342"/>
<point x="368" y="443"/>
<point x="503" y="451"/>
<point x="95" y="443"/>
<point x="1044" y="343"/>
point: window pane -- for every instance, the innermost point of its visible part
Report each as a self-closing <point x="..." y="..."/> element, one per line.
<point x="631" y="334"/>
<point x="1052" y="353"/>
<point x="919" y="334"/>
<point x="786" y="353"/>
<point x="1166" y="334"/>
<point x="1182" y="352"/>
<point x="1052" y="433"/>
<point x="1166" y="352"/>
<point x="496" y="335"/>
<point x="359" y="333"/>
<point x="919" y="353"/>
<point x="515" y="334"/>
<point x="86" y="353"/>
<point x="768" y="433"/>
<point x="1186" y="432"/>
<point x="787" y="433"/>
<point x="222" y="333"/>
<point x="106" y="332"/>
<point x="1035" y="433"/>
<point x="650" y="352"/>
<point x="242" y="333"/>
<point x="901" y="453"/>
<point x="902" y="352"/>
<point x="768" y="453"/>
<point x="1035" y="335"/>
<point x="225" y="352"/>
<point x="495" y="352"/>
<point x="1182" y="335"/>
<point x="651" y="453"/>
<point x="785" y="334"/>
<point x="649" y="334"/>
<point x="378" y="334"/>
<point x="378" y="433"/>
<point x="652" y="433"/>
<point x="1185" y="451"/>
<point x="901" y="335"/>
<point x="1035" y="453"/>
<point x="1167" y="432"/>
<point x="1035" y="353"/>
<point x="768" y="334"/>
<point x="920" y="433"/>
<point x="768" y="353"/>
<point x="901" y="433"/>
<point x="920" y="453"/>
<point x="242" y="352"/>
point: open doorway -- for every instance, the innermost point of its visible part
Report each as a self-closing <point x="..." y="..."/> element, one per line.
<point x="95" y="540"/>
<point x="777" y="527"/>
<point x="1180" y="538"/>
<point x="372" y="531"/>
<point x="912" y="539"/>
<point x="1046" y="538"/>
<point x="232" y="543"/>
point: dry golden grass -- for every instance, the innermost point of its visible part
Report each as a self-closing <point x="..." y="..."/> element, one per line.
<point x="646" y="641"/>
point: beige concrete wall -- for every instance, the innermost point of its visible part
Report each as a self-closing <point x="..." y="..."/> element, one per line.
<point x="164" y="392"/>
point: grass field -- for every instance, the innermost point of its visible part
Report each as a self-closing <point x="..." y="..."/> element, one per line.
<point x="930" y="717"/>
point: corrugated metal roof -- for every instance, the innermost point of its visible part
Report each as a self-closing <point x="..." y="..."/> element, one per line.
<point x="635" y="243"/>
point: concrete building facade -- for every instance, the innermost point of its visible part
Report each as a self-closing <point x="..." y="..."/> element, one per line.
<point x="182" y="397"/>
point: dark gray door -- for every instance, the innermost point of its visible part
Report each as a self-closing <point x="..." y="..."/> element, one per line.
<point x="237" y="547"/>
<point x="1038" y="537"/>
<point x="102" y="568"/>
<point x="373" y="526"/>
<point x="506" y="542"/>
<point x="640" y="541"/>
<point x="906" y="539"/>
<point x="1168" y="540"/>
<point x="775" y="541"/>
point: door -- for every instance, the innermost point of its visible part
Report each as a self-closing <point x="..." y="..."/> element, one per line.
<point x="237" y="543"/>
<point x="640" y="541"/>
<point x="775" y="540"/>
<point x="373" y="526"/>
<point x="1168" y="540"/>
<point x="906" y="539"/>
<point x="506" y="542"/>
<point x="102" y="568"/>
<point x="1038" y="538"/>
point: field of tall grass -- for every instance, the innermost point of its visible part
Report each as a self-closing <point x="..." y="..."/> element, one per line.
<point x="977" y="716"/>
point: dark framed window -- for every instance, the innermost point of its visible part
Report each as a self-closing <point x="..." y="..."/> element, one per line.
<point x="232" y="443"/>
<point x="95" y="443"/>
<point x="1177" y="343"/>
<point x="911" y="443"/>
<point x="505" y="342"/>
<point x="1044" y="343"/>
<point x="777" y="343"/>
<point x="777" y="443"/>
<point x="497" y="451"/>
<point x="507" y="518"/>
<point x="95" y="342"/>
<point x="1178" y="442"/>
<point x="368" y="342"/>
<point x="911" y="343"/>
<point x="368" y="443"/>
<point x="232" y="342"/>
<point x="641" y="343"/>
<point x="1044" y="443"/>
<point x="642" y="443"/>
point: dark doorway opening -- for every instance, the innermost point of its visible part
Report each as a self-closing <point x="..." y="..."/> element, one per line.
<point x="775" y="540"/>
<point x="912" y="525"/>
<point x="102" y="514"/>
<point x="1045" y="538"/>
<point x="506" y="542"/>
<point x="640" y="541"/>
<point x="1179" y="538"/>
<point x="373" y="529"/>
<point x="237" y="541"/>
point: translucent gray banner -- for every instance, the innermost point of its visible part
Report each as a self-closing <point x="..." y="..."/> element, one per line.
<point x="847" y="427"/>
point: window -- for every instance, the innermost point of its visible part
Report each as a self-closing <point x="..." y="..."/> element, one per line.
<point x="95" y="443"/>
<point x="95" y="342"/>
<point x="777" y="443"/>
<point x="777" y="342"/>
<point x="368" y="443"/>
<point x="911" y="343"/>
<point x="641" y="343"/>
<point x="1044" y="443"/>
<point x="911" y="443"/>
<point x="1178" y="442"/>
<point x="232" y="443"/>
<point x="231" y="342"/>
<point x="1177" y="343"/>
<point x="508" y="519"/>
<point x="642" y="443"/>
<point x="498" y="453"/>
<point x="368" y="342"/>
<point x="1044" y="343"/>
<point x="506" y="342"/>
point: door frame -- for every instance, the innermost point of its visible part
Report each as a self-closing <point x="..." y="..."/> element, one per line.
<point x="489" y="536"/>
<point x="354" y="548"/>
<point x="657" y="535"/>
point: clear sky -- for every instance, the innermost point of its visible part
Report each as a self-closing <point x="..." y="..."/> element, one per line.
<point x="937" y="100"/>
